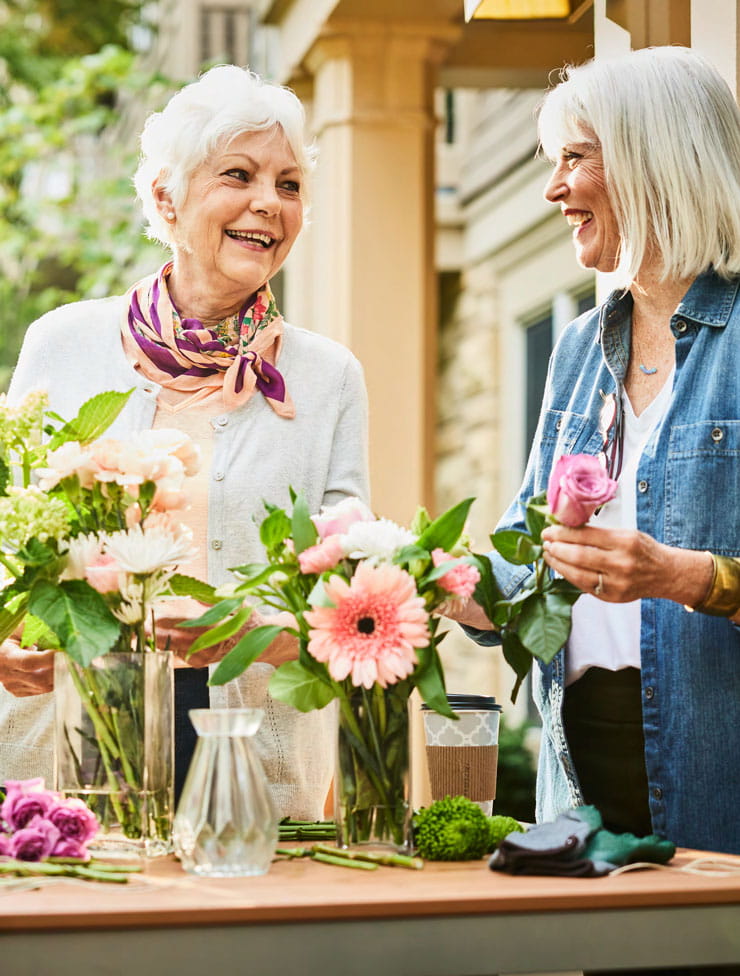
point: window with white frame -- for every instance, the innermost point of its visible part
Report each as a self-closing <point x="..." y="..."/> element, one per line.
<point x="225" y="34"/>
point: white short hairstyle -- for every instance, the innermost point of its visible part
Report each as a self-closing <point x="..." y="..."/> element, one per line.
<point x="669" y="131"/>
<point x="205" y="115"/>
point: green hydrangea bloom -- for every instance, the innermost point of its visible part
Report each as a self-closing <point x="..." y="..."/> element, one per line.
<point x="500" y="826"/>
<point x="452" y="829"/>
<point x="29" y="512"/>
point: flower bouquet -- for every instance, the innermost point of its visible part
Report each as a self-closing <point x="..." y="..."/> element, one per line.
<point x="90" y="544"/>
<point x="361" y="591"/>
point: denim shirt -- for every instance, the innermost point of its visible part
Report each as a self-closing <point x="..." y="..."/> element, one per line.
<point x="688" y="495"/>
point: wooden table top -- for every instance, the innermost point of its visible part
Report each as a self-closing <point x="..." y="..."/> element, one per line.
<point x="303" y="891"/>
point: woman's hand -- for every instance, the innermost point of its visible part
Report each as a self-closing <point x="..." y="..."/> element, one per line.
<point x="26" y="671"/>
<point x="178" y="639"/>
<point x="620" y="565"/>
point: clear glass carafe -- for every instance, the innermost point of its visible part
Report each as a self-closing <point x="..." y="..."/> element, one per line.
<point x="225" y="825"/>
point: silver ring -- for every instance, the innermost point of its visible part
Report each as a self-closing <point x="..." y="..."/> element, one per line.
<point x="599" y="588"/>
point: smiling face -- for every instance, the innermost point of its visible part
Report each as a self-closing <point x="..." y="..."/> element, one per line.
<point x="240" y="217"/>
<point x="579" y="186"/>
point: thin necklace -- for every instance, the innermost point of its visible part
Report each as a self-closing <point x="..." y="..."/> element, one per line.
<point x="647" y="370"/>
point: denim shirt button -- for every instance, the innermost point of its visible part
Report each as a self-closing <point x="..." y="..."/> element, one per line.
<point x="658" y="793"/>
<point x="649" y="693"/>
<point x="717" y="434"/>
<point x="681" y="327"/>
<point x="558" y="424"/>
<point x="642" y="486"/>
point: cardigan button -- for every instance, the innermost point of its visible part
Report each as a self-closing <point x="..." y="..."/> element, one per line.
<point x="217" y="544"/>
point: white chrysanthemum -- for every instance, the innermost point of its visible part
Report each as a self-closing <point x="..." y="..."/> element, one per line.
<point x="144" y="551"/>
<point x="376" y="541"/>
<point x="82" y="551"/>
<point x="28" y="512"/>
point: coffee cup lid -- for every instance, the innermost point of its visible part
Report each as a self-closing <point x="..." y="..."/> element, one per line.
<point x="460" y="702"/>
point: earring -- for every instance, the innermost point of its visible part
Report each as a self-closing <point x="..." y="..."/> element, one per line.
<point x="170" y="215"/>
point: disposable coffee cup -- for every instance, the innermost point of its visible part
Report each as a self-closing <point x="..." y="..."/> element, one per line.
<point x="462" y="754"/>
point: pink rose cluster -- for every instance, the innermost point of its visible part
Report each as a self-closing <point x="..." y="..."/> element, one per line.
<point x="36" y="823"/>
<point x="578" y="485"/>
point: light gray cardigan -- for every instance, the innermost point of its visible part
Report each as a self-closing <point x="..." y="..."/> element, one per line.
<point x="75" y="352"/>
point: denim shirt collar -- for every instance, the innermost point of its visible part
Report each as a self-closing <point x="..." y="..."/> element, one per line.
<point x="709" y="301"/>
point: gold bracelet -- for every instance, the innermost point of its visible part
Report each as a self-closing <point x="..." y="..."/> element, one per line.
<point x="723" y="596"/>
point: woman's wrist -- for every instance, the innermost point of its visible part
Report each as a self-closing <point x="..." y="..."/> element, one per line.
<point x="722" y="598"/>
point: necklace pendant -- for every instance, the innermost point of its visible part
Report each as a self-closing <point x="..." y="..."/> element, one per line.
<point x="648" y="370"/>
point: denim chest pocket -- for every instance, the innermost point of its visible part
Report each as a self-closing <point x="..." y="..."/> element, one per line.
<point x="565" y="432"/>
<point x="702" y="487"/>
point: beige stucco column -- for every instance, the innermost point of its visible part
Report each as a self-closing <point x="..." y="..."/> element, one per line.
<point x="372" y="234"/>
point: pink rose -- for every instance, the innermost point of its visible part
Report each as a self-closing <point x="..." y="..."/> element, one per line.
<point x="66" y="847"/>
<point x="35" y="841"/>
<point x="75" y="821"/>
<point x="4" y="845"/>
<point x="461" y="580"/>
<point x="336" y="519"/>
<point x="24" y="800"/>
<point x="319" y="558"/>
<point x="578" y="485"/>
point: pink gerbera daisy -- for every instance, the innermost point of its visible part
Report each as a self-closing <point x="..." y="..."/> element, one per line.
<point x="373" y="628"/>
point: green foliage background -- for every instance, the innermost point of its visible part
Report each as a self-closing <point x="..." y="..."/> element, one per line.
<point x="72" y="99"/>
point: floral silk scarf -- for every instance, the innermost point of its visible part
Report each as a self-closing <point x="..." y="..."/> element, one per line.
<point x="238" y="354"/>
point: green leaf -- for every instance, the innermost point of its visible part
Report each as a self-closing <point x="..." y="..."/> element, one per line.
<point x="274" y="528"/>
<point x="11" y="619"/>
<point x="94" y="418"/>
<point x="183" y="585"/>
<point x="518" y="658"/>
<point x="304" y="531"/>
<point x="445" y="531"/>
<point x="249" y="648"/>
<point x="302" y="689"/>
<point x="515" y="546"/>
<point x="254" y="574"/>
<point x="35" y="632"/>
<point x="564" y="590"/>
<point x="544" y="624"/>
<point x="5" y="477"/>
<point x="487" y="592"/>
<point x="78" y="615"/>
<point x="215" y="613"/>
<point x="536" y="517"/>
<point x="226" y="629"/>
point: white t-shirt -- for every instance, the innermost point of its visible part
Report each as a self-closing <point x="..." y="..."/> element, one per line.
<point x="607" y="635"/>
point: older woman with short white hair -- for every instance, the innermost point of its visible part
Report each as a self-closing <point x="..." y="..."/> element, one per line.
<point x="223" y="180"/>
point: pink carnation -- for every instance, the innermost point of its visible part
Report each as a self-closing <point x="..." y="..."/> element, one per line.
<point x="319" y="558"/>
<point x="371" y="631"/>
<point x="578" y="485"/>
<point x="461" y="580"/>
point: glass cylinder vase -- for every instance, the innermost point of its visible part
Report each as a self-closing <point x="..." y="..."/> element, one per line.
<point x="114" y="747"/>
<point x="225" y="825"/>
<point x="372" y="804"/>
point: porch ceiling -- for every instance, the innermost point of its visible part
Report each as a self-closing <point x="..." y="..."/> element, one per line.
<point x="487" y="53"/>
